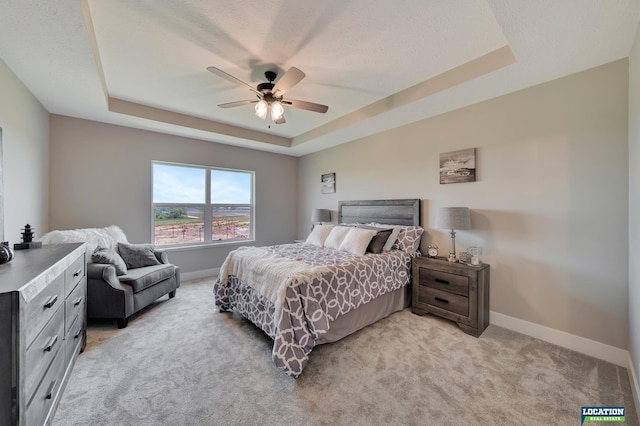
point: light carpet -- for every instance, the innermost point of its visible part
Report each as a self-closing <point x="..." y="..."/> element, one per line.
<point x="181" y="362"/>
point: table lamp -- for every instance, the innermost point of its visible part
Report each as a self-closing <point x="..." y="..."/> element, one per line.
<point x="453" y="218"/>
<point x="319" y="216"/>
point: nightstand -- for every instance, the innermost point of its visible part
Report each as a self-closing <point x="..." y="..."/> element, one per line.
<point x="455" y="291"/>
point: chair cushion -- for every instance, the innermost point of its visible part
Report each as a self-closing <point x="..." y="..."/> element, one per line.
<point x="137" y="255"/>
<point x="147" y="276"/>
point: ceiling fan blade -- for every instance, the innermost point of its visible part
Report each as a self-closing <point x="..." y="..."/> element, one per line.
<point x="309" y="106"/>
<point x="287" y="81"/>
<point x="229" y="77"/>
<point x="238" y="103"/>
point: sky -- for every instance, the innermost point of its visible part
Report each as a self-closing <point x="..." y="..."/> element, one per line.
<point x="184" y="184"/>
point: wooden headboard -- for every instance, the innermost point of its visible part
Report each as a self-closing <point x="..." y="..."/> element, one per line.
<point x="395" y="212"/>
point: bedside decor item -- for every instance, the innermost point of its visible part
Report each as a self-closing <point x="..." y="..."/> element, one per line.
<point x="432" y="250"/>
<point x="475" y="256"/>
<point x="328" y="183"/>
<point x="458" y="166"/>
<point x="27" y="239"/>
<point x="6" y="254"/>
<point x="318" y="216"/>
<point x="453" y="218"/>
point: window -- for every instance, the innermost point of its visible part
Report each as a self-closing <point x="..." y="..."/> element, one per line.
<point x="197" y="204"/>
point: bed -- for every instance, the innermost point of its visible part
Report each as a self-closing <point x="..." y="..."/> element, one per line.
<point x="321" y="290"/>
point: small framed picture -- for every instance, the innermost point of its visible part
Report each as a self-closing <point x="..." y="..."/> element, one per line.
<point x="458" y="166"/>
<point x="328" y="183"/>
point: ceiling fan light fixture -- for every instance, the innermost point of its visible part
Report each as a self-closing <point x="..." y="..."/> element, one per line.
<point x="277" y="111"/>
<point x="261" y="109"/>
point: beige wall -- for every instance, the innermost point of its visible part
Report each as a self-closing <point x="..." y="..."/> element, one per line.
<point x="549" y="207"/>
<point x="634" y="204"/>
<point x="101" y="175"/>
<point x="25" y="134"/>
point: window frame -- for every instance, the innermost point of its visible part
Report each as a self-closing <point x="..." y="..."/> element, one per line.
<point x="207" y="207"/>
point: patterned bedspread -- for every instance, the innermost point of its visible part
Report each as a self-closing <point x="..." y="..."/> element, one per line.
<point x="323" y="285"/>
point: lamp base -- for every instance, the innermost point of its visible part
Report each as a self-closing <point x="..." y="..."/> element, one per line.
<point x="452" y="258"/>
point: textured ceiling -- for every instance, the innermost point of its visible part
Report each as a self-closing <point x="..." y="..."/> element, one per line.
<point x="376" y="64"/>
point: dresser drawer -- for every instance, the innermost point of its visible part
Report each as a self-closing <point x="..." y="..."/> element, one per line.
<point x="44" y="396"/>
<point x="73" y="275"/>
<point x="444" y="281"/>
<point x="43" y="350"/>
<point x="74" y="339"/>
<point x="74" y="304"/>
<point x="444" y="300"/>
<point x="42" y="307"/>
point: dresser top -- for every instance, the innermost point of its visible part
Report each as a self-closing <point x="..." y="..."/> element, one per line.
<point x="33" y="266"/>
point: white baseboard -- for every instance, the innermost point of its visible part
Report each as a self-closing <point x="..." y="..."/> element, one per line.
<point x="635" y="389"/>
<point x="196" y="275"/>
<point x="570" y="341"/>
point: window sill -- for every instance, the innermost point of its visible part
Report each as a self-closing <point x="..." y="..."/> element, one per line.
<point x="198" y="246"/>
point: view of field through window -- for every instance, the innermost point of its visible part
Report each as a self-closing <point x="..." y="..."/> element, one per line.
<point x="180" y="212"/>
<point x="185" y="225"/>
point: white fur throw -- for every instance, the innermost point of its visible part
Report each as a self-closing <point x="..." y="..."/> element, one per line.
<point x="268" y="273"/>
<point x="108" y="237"/>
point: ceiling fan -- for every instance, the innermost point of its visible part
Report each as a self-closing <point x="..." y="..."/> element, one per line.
<point x="270" y="95"/>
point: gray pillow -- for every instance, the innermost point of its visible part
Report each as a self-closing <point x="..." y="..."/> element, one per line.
<point x="137" y="255"/>
<point x="109" y="256"/>
<point x="377" y="243"/>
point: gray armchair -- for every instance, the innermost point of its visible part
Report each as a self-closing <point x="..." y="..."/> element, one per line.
<point x="110" y="295"/>
<point x="119" y="297"/>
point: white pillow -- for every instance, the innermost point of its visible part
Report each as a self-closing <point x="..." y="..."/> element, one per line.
<point x="392" y="238"/>
<point x="336" y="236"/>
<point x="319" y="235"/>
<point x="357" y="240"/>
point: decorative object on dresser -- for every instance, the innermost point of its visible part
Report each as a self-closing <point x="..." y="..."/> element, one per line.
<point x="122" y="278"/>
<point x="27" y="239"/>
<point x="42" y="330"/>
<point x="454" y="291"/>
<point x="432" y="250"/>
<point x="318" y="216"/>
<point x="6" y="254"/>
<point x="453" y="218"/>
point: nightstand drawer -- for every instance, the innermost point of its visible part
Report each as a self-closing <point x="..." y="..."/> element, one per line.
<point x="444" y="281"/>
<point x="443" y="300"/>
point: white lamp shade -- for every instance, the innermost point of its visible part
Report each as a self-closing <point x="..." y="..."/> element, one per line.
<point x="277" y="111"/>
<point x="321" y="215"/>
<point x="261" y="109"/>
<point x="453" y="218"/>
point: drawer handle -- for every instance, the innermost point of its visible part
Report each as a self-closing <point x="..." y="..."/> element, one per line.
<point x="52" y="301"/>
<point x="52" y="386"/>
<point x="441" y="300"/>
<point x="441" y="281"/>
<point x="77" y="273"/>
<point x="78" y="301"/>
<point x="51" y="343"/>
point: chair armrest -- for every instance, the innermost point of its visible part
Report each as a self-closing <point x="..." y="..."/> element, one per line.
<point x="104" y="272"/>
<point x="162" y="256"/>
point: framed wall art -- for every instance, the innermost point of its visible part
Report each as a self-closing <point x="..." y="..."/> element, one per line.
<point x="328" y="183"/>
<point x="458" y="166"/>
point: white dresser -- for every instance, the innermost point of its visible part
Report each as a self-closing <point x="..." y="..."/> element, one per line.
<point x="42" y="330"/>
